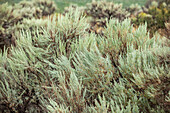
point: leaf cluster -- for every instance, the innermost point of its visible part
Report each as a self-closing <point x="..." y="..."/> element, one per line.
<point x="12" y="16"/>
<point x="157" y="15"/>
<point x="62" y="68"/>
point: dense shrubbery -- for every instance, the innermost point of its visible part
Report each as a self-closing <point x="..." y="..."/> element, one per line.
<point x="157" y="15"/>
<point x="100" y="11"/>
<point x="13" y="16"/>
<point x="105" y="10"/>
<point x="57" y="66"/>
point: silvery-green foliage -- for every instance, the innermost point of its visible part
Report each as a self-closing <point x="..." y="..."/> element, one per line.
<point x="144" y="64"/>
<point x="71" y="27"/>
<point x="26" y="61"/>
<point x="120" y="39"/>
<point x="76" y="24"/>
<point x="16" y="14"/>
<point x="22" y="71"/>
<point x="62" y="68"/>
<point x="101" y="106"/>
<point x="69" y="94"/>
<point x="32" y="25"/>
<point x="121" y="101"/>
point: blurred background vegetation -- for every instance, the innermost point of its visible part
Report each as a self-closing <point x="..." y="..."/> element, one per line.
<point x="63" y="3"/>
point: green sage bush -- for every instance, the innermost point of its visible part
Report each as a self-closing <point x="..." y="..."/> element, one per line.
<point x="60" y="67"/>
<point x="14" y="15"/>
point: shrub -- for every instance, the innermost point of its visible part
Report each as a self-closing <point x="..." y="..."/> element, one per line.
<point x="12" y="16"/>
<point x="156" y="17"/>
<point x="74" y="7"/>
<point x="134" y="9"/>
<point x="7" y="19"/>
<point x="35" y="8"/>
<point x="62" y="68"/>
<point x="102" y="10"/>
